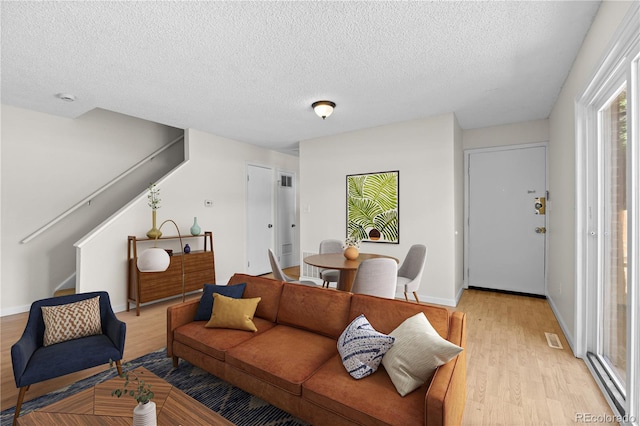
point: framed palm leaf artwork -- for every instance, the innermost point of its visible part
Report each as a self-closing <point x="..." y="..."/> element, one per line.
<point x="372" y="207"/>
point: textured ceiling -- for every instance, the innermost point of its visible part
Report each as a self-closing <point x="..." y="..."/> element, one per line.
<point x="249" y="71"/>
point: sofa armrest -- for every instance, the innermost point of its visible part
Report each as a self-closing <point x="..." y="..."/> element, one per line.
<point x="445" y="398"/>
<point x="21" y="353"/>
<point x="178" y="315"/>
<point x="116" y="330"/>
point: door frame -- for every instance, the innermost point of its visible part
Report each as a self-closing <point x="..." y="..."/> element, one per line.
<point x="273" y="214"/>
<point x="620" y="60"/>
<point x="467" y="155"/>
<point x="296" y="236"/>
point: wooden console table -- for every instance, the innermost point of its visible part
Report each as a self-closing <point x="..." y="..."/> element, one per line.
<point x="199" y="268"/>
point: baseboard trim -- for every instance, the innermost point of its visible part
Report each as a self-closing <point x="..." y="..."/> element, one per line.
<point x="516" y="293"/>
<point x="14" y="310"/>
<point x="563" y="326"/>
<point x="459" y="295"/>
<point x="427" y="299"/>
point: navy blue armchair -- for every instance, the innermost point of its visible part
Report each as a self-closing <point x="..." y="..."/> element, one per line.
<point x="33" y="362"/>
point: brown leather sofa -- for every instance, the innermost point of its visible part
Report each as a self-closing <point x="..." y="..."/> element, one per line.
<point x="292" y="360"/>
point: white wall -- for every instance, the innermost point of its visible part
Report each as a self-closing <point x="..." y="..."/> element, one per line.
<point x="506" y="135"/>
<point x="49" y="164"/>
<point x="216" y="170"/>
<point x="428" y="154"/>
<point x="562" y="233"/>
<point x="510" y="134"/>
<point x="458" y="207"/>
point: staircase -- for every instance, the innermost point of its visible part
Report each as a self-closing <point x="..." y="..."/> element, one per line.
<point x="64" y="292"/>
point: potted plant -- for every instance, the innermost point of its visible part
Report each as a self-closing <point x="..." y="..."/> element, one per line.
<point x="136" y="387"/>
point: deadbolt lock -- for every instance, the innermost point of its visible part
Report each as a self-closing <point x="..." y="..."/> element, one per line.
<point x="539" y="204"/>
<point x="541" y="230"/>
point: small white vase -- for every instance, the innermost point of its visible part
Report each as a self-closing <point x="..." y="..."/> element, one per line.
<point x="195" y="229"/>
<point x="145" y="414"/>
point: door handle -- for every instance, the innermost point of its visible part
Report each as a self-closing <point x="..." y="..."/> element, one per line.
<point x="269" y="226"/>
<point x="541" y="230"/>
<point x="293" y="225"/>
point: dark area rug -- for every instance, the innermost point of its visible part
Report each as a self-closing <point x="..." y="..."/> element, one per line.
<point x="227" y="400"/>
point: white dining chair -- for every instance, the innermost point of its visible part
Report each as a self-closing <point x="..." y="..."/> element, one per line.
<point x="376" y="277"/>
<point x="410" y="272"/>
<point x="280" y="275"/>
<point x="329" y="275"/>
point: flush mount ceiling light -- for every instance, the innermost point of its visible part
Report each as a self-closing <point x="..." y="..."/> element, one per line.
<point x="67" y="97"/>
<point x="323" y="108"/>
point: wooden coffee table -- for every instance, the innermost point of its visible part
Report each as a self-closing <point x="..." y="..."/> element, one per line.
<point x="96" y="406"/>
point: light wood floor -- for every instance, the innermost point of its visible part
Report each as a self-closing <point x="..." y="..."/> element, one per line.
<point x="513" y="376"/>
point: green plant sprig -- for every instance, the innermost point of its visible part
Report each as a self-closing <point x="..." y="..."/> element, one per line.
<point x="139" y="390"/>
<point x="352" y="241"/>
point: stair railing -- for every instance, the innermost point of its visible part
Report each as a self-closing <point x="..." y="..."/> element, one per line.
<point x="87" y="199"/>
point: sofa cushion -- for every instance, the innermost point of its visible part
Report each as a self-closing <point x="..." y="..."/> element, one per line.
<point x="372" y="400"/>
<point x="216" y="341"/>
<point x="416" y="353"/>
<point x="267" y="289"/>
<point x="283" y="356"/>
<point x="233" y="313"/>
<point x="361" y="347"/>
<point x="385" y="315"/>
<point x="323" y="311"/>
<point x="206" y="301"/>
<point x="71" y="321"/>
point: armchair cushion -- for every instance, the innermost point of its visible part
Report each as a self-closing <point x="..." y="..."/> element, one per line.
<point x="71" y="321"/>
<point x="52" y="361"/>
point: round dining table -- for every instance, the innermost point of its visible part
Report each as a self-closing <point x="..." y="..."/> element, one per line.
<point x="347" y="268"/>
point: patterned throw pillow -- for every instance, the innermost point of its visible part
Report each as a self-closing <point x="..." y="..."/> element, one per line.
<point x="416" y="354"/>
<point x="362" y="347"/>
<point x="71" y="321"/>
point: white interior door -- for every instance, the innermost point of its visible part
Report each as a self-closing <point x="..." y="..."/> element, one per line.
<point x="260" y="229"/>
<point x="286" y="227"/>
<point x="506" y="233"/>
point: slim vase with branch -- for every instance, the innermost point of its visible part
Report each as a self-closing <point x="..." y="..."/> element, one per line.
<point x="154" y="203"/>
<point x="352" y="244"/>
<point x="144" y="414"/>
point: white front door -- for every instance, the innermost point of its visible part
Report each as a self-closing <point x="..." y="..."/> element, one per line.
<point x="505" y="231"/>
<point x="260" y="229"/>
<point x="286" y="227"/>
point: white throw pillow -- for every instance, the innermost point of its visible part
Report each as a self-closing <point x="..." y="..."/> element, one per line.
<point x="416" y="353"/>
